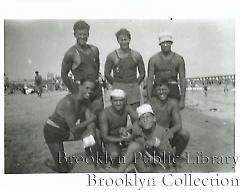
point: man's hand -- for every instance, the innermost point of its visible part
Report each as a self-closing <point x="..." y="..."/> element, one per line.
<point x="150" y="143"/>
<point x="182" y="104"/>
<point x="126" y="136"/>
<point x="136" y="130"/>
<point x="168" y="133"/>
<point x="123" y="131"/>
<point x="71" y="136"/>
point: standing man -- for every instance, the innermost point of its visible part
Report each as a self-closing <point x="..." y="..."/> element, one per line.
<point x="82" y="60"/>
<point x="170" y="66"/>
<point x="124" y="62"/>
<point x="61" y="125"/>
<point x="38" y="83"/>
<point x="113" y="123"/>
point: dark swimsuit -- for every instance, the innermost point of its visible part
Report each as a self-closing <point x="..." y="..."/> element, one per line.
<point x="166" y="69"/>
<point x="87" y="67"/>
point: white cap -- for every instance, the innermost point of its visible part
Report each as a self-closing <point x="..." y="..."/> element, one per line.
<point x="164" y="37"/>
<point x="145" y="108"/>
<point x="117" y="93"/>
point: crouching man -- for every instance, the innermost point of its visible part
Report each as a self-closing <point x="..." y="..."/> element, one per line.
<point x="168" y="116"/>
<point x="113" y="124"/>
<point x="151" y="143"/>
<point x="61" y="125"/>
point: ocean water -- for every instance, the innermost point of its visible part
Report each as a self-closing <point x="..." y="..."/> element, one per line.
<point x="215" y="103"/>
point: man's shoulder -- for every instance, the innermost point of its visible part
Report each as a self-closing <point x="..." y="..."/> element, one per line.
<point x="151" y="101"/>
<point x="178" y="56"/>
<point x="65" y="103"/>
<point x="154" y="57"/>
<point x="172" y="102"/>
<point x="70" y="51"/>
<point x="105" y="112"/>
<point x="135" y="54"/>
<point x="112" y="57"/>
<point x="94" y="48"/>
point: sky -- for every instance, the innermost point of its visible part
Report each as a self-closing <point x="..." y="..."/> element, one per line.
<point x="207" y="45"/>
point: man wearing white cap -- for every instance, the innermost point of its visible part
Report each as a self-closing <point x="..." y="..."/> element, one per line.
<point x="113" y="123"/>
<point x="148" y="135"/>
<point x="167" y="65"/>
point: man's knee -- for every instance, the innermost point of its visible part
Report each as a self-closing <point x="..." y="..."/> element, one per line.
<point x="134" y="147"/>
<point x="184" y="134"/>
<point x="113" y="151"/>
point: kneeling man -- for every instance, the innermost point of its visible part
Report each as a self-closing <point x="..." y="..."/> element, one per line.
<point x="61" y="125"/>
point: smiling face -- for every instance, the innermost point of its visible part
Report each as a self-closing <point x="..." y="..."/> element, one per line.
<point x="86" y="89"/>
<point x="147" y="121"/>
<point x="118" y="103"/>
<point x="162" y="92"/>
<point x="124" y="41"/>
<point x="81" y="36"/>
<point x="166" y="46"/>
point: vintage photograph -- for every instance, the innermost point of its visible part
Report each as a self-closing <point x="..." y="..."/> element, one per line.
<point x="128" y="96"/>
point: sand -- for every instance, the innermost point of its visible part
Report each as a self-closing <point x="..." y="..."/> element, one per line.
<point x="209" y="119"/>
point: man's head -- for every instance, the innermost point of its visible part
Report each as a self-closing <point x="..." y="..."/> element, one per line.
<point x="146" y="116"/>
<point x="36" y="72"/>
<point x="162" y="90"/>
<point x="86" y="88"/>
<point x="118" y="98"/>
<point x="165" y="41"/>
<point x="123" y="38"/>
<point x="81" y="32"/>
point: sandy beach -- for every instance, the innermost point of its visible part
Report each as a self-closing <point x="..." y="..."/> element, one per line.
<point x="210" y="120"/>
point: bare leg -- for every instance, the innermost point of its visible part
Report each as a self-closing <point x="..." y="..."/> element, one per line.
<point x="134" y="106"/>
<point x="180" y="141"/>
<point x="129" y="156"/>
<point x="60" y="164"/>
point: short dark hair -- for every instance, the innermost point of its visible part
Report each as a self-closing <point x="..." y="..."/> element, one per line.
<point x="36" y="72"/>
<point x="81" y="25"/>
<point x="89" y="79"/>
<point x="160" y="83"/>
<point x="123" y="31"/>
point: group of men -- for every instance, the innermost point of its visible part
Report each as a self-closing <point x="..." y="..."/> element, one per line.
<point x="156" y="125"/>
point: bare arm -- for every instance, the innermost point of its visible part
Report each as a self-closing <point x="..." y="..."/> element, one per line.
<point x="108" y="69"/>
<point x="132" y="113"/>
<point x="176" y="117"/>
<point x="141" y="69"/>
<point x="67" y="111"/>
<point x="89" y="121"/>
<point x="104" y="130"/>
<point x="66" y="66"/>
<point x="182" y="79"/>
<point x="150" y="79"/>
<point x="96" y="52"/>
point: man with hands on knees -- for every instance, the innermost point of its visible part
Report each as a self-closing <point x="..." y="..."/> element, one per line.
<point x="61" y="125"/>
<point x="113" y="124"/>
